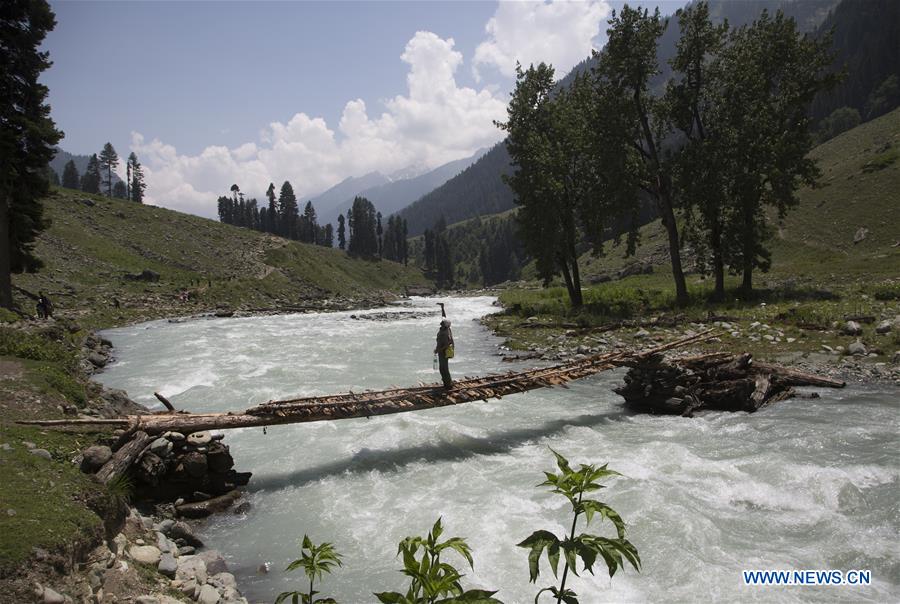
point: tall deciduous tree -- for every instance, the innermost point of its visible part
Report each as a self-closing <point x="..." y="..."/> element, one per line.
<point x="90" y="180"/>
<point x="626" y="67"/>
<point x="567" y="180"/>
<point x="70" y="177"/>
<point x="697" y="167"/>
<point x="109" y="160"/>
<point x="27" y="135"/>
<point x="766" y="79"/>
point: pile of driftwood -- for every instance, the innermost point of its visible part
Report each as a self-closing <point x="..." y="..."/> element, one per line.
<point x="719" y="381"/>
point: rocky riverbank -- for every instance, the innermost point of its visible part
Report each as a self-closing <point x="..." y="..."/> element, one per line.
<point x="843" y="350"/>
<point x="151" y="561"/>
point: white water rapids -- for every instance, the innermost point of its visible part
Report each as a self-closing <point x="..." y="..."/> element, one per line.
<point x="805" y="484"/>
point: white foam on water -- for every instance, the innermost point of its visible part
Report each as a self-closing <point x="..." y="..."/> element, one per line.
<point x="805" y="484"/>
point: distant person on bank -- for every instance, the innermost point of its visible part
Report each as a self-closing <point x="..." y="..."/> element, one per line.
<point x="445" y="345"/>
<point x="44" y="306"/>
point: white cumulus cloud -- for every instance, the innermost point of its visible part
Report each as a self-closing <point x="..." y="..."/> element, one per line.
<point x="560" y="33"/>
<point x="436" y="121"/>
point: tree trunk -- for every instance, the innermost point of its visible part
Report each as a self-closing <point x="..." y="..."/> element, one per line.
<point x="747" y="283"/>
<point x="668" y="214"/>
<point x="664" y="203"/>
<point x="6" y="300"/>
<point x="718" y="265"/>
<point x="575" y="291"/>
<point x="570" y="287"/>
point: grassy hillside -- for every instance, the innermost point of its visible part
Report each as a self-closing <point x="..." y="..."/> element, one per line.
<point x="93" y="242"/>
<point x="814" y="245"/>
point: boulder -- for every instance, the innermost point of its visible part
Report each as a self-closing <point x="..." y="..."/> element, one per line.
<point x="188" y="587"/>
<point x="194" y="464"/>
<point x="145" y="554"/>
<point x="41" y="453"/>
<point x="852" y="328"/>
<point x="165" y="526"/>
<point x="208" y="595"/>
<point x="218" y="458"/>
<point x="98" y="360"/>
<point x="641" y="333"/>
<point x="860" y="234"/>
<point x="168" y="565"/>
<point x="199" y="438"/>
<point x="215" y="563"/>
<point x="858" y="349"/>
<point x="175" y="437"/>
<point x="52" y="597"/>
<point x="146" y="600"/>
<point x="222" y="581"/>
<point x="191" y="567"/>
<point x="150" y="469"/>
<point x="161" y="447"/>
<point x="93" y="458"/>
<point x="884" y="327"/>
<point x="182" y="530"/>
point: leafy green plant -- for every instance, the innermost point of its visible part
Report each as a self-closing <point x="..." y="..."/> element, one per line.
<point x="315" y="561"/>
<point x="434" y="581"/>
<point x="573" y="485"/>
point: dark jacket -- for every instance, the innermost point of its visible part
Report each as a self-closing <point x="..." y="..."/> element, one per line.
<point x="444" y="339"/>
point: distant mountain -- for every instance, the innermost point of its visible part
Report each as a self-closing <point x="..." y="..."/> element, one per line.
<point x="393" y="196"/>
<point x="479" y="190"/>
<point x="865" y="41"/>
<point x="58" y="163"/>
<point x="327" y="203"/>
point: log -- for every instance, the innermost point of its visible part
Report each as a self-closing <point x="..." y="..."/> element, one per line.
<point x="164" y="401"/>
<point x="124" y="457"/>
<point x="202" y="509"/>
<point x="793" y="377"/>
<point x="353" y="405"/>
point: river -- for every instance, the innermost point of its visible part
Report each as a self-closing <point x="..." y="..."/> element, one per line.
<point x="805" y="484"/>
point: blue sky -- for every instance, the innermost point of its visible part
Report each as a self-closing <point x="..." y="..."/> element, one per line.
<point x="209" y="93"/>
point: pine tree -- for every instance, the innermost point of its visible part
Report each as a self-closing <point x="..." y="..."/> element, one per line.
<point x="109" y="160"/>
<point x="404" y="243"/>
<point x="341" y="234"/>
<point x="363" y="240"/>
<point x="119" y="191"/>
<point x="52" y="176"/>
<point x="90" y="180"/>
<point x="70" y="176"/>
<point x="329" y="236"/>
<point x="310" y="223"/>
<point x="272" y="214"/>
<point x="136" y="184"/>
<point x="287" y="211"/>
<point x="27" y="136"/>
<point x="378" y="234"/>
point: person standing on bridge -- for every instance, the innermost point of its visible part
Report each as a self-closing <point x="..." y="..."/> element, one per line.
<point x="444" y="350"/>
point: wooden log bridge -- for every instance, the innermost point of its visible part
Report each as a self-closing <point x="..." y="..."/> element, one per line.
<point x="378" y="402"/>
